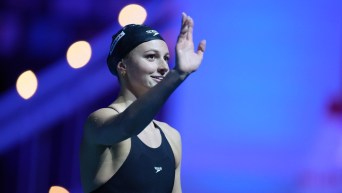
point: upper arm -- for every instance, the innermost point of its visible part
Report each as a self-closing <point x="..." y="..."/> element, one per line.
<point x="177" y="188"/>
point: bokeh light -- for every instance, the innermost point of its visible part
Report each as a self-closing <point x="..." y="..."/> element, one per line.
<point x="58" y="189"/>
<point x="79" y="54"/>
<point x="132" y="14"/>
<point x="27" y="84"/>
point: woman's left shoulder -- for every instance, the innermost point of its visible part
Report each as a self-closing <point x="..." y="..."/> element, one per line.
<point x="169" y="130"/>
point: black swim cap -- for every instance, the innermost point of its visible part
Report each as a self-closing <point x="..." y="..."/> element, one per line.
<point x="126" y="40"/>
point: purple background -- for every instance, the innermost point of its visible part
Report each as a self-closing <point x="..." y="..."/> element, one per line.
<point x="261" y="115"/>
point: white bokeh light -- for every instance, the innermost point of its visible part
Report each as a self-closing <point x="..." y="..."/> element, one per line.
<point x="79" y="54"/>
<point x="27" y="84"/>
<point x="132" y="14"/>
<point x="58" y="189"/>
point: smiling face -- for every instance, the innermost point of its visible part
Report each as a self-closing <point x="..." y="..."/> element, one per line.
<point x="145" y="66"/>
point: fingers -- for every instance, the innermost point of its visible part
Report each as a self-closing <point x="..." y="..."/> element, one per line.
<point x="183" y="30"/>
<point x="186" y="27"/>
<point x="183" y="19"/>
<point x="201" y="47"/>
<point x="186" y="34"/>
<point x="190" y="24"/>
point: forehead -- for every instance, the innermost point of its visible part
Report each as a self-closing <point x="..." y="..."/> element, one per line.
<point x="156" y="45"/>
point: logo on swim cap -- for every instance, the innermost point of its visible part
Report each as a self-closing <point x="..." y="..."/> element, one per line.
<point x="154" y="32"/>
<point x="116" y="40"/>
<point x="126" y="40"/>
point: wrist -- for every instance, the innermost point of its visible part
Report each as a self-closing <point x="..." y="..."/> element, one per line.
<point x="182" y="75"/>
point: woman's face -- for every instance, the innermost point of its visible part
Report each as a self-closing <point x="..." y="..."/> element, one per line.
<point x="146" y="65"/>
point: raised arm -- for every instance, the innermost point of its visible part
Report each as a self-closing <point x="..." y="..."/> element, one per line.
<point x="106" y="127"/>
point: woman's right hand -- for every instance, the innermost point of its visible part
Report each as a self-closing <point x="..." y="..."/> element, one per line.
<point x="187" y="60"/>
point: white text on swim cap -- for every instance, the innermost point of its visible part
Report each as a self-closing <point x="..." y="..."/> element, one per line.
<point x="116" y="40"/>
<point x="154" y="32"/>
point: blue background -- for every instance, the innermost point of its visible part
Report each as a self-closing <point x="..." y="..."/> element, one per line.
<point x="261" y="115"/>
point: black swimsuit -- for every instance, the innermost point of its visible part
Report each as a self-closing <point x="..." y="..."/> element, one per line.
<point x="146" y="170"/>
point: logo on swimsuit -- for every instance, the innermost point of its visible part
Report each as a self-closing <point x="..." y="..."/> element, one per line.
<point x="158" y="169"/>
<point x="154" y="32"/>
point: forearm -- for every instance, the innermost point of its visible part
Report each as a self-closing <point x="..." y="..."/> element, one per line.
<point x="142" y="111"/>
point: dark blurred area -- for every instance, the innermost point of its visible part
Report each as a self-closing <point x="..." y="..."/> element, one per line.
<point x="264" y="109"/>
<point x="35" y="33"/>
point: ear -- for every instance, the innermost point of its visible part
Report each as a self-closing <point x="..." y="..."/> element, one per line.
<point x="121" y="67"/>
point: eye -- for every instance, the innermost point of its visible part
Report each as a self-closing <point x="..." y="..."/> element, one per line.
<point x="166" y="58"/>
<point x="151" y="57"/>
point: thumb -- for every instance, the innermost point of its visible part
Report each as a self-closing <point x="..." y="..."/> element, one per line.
<point x="201" y="47"/>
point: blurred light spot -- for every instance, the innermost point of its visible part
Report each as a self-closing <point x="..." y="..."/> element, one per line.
<point x="132" y="14"/>
<point x="27" y="84"/>
<point x="58" y="189"/>
<point x="79" y="54"/>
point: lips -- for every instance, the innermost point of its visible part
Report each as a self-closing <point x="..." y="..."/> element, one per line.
<point x="157" y="78"/>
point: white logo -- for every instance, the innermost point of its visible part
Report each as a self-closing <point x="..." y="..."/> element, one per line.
<point x="158" y="169"/>
<point x="154" y="32"/>
<point x="116" y="40"/>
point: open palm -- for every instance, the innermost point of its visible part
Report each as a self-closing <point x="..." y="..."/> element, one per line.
<point x="187" y="60"/>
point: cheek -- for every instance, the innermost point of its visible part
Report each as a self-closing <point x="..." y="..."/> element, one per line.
<point x="142" y="70"/>
<point x="147" y="68"/>
<point x="150" y="67"/>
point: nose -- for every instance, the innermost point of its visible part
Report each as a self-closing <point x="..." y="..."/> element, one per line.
<point x="163" y="68"/>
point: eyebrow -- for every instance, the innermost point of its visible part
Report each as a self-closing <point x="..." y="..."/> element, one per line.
<point x="154" y="50"/>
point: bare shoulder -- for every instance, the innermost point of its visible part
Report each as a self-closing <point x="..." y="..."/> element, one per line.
<point x="96" y="120"/>
<point x="101" y="115"/>
<point x="169" y="131"/>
